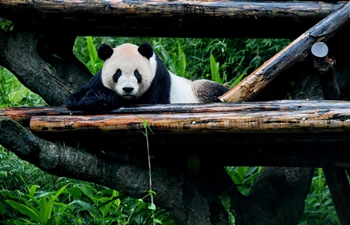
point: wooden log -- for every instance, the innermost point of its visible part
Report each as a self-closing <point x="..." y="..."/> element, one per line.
<point x="340" y="192"/>
<point x="258" y="132"/>
<point x="24" y="114"/>
<point x="182" y="18"/>
<point x="325" y="66"/>
<point x="295" y="52"/>
<point x="270" y="117"/>
<point x="336" y="177"/>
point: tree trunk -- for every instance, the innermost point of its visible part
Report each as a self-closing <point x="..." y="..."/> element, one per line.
<point x="276" y="198"/>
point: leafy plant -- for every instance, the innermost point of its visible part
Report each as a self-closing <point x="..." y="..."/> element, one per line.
<point x="6" y="25"/>
<point x="36" y="209"/>
<point x="214" y="68"/>
<point x="319" y="208"/>
<point x="13" y="93"/>
<point x="243" y="176"/>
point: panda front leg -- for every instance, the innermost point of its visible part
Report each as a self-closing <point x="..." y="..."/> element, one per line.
<point x="93" y="100"/>
<point x="93" y="97"/>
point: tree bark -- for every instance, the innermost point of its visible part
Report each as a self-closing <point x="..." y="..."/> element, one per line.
<point x="23" y="53"/>
<point x="325" y="67"/>
<point x="290" y="133"/>
<point x="267" y="117"/>
<point x="278" y="189"/>
<point x="182" y="18"/>
<point x="340" y="191"/>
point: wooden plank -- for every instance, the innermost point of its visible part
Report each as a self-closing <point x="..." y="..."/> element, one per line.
<point x="182" y="18"/>
<point x="264" y="117"/>
<point x="332" y="113"/>
<point x="295" y="52"/>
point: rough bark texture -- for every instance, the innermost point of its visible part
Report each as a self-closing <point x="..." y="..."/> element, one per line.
<point x="271" y="117"/>
<point x="340" y="191"/>
<point x="325" y="67"/>
<point x="294" y="133"/>
<point x="279" y="188"/>
<point x="44" y="66"/>
<point x="182" y="18"/>
<point x="174" y="193"/>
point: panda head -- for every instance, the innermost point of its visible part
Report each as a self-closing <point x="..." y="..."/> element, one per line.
<point x="128" y="69"/>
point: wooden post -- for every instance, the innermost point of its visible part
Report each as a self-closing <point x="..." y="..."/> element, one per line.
<point x="325" y="66"/>
<point x="340" y="192"/>
<point x="336" y="177"/>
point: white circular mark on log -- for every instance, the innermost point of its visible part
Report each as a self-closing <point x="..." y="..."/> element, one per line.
<point x="319" y="49"/>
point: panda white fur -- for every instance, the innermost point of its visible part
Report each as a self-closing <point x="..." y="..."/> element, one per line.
<point x="134" y="74"/>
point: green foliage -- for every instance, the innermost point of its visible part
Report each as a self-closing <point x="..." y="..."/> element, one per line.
<point x="6" y="25"/>
<point x="243" y="176"/>
<point x="151" y="193"/>
<point x="319" y="208"/>
<point x="75" y="202"/>
<point x="36" y="209"/>
<point x="214" y="68"/>
<point x="223" y="60"/>
<point x="13" y="93"/>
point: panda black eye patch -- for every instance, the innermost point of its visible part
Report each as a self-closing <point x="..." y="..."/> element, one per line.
<point x="138" y="76"/>
<point x="116" y="76"/>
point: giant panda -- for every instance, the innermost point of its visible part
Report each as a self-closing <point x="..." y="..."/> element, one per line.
<point x="134" y="74"/>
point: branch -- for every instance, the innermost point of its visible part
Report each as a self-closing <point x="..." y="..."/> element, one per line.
<point x="182" y="18"/>
<point x="62" y="160"/>
<point x="340" y="192"/>
<point x="296" y="51"/>
<point x="53" y="78"/>
<point x="277" y="196"/>
<point x="325" y="67"/>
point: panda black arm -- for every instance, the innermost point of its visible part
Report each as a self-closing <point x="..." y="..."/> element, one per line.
<point x="93" y="96"/>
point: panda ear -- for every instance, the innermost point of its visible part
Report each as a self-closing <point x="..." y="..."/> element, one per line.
<point x="146" y="50"/>
<point x="104" y="51"/>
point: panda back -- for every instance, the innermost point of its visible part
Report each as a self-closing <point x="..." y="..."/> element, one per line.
<point x="181" y="90"/>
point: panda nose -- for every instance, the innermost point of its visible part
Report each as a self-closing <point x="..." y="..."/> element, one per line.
<point x="128" y="89"/>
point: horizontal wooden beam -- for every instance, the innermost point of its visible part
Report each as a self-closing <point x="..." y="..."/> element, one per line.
<point x="231" y="118"/>
<point x="288" y="133"/>
<point x="298" y="116"/>
<point x="169" y="18"/>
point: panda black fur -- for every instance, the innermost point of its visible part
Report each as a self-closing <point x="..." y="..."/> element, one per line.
<point x="135" y="75"/>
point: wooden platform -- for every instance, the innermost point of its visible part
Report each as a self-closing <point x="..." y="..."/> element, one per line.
<point x="293" y="133"/>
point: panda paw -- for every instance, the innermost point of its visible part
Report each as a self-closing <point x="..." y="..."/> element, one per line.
<point x="92" y="102"/>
